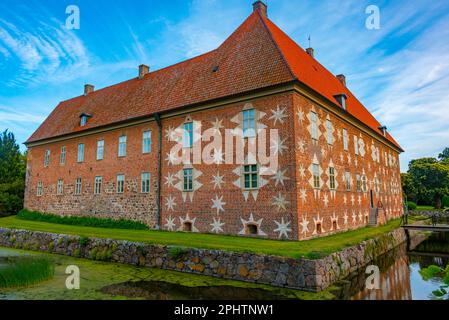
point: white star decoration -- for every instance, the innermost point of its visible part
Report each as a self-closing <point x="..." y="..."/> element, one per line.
<point x="283" y="228"/>
<point x="302" y="171"/>
<point x="218" y="204"/>
<point x="217" y="225"/>
<point x="280" y="202"/>
<point x="345" y="218"/>
<point x="218" y="156"/>
<point x="171" y="134"/>
<point x="300" y="115"/>
<point x="171" y="158"/>
<point x="278" y="146"/>
<point x="217" y="126"/>
<point x="170" y="203"/>
<point x="301" y="146"/>
<point x="305" y="226"/>
<point x="278" y="115"/>
<point x="354" y="217"/>
<point x="170" y="180"/>
<point x="170" y="225"/>
<point x="326" y="200"/>
<point x="280" y="177"/>
<point x="217" y="180"/>
<point x="303" y="195"/>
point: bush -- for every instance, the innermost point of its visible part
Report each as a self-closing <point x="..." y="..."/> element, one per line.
<point x="411" y="205"/>
<point x="82" y="221"/>
<point x="21" y="272"/>
<point x="445" y="202"/>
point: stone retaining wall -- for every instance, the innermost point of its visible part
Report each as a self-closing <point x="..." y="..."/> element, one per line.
<point x="303" y="274"/>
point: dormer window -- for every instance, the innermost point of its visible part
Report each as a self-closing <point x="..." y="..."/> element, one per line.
<point x="341" y="99"/>
<point x="383" y="129"/>
<point x="83" y="119"/>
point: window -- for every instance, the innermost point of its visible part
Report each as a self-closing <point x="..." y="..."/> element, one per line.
<point x="345" y="140"/>
<point x="251" y="176"/>
<point x="330" y="138"/>
<point x="83" y="120"/>
<point x="97" y="186"/>
<point x="188" y="179"/>
<point x="78" y="185"/>
<point x="187" y="227"/>
<point x="316" y="176"/>
<point x="145" y="182"/>
<point x="348" y="180"/>
<point x="356" y="145"/>
<point x="100" y="150"/>
<point x="40" y="189"/>
<point x="364" y="183"/>
<point x="60" y="189"/>
<point x="332" y="178"/>
<point x="376" y="184"/>
<point x="122" y="146"/>
<point x="249" y="123"/>
<point x="62" y="156"/>
<point x="314" y="120"/>
<point x="120" y="183"/>
<point x="81" y="152"/>
<point x="359" y="183"/>
<point x="47" y="158"/>
<point x="188" y="135"/>
<point x="146" y="143"/>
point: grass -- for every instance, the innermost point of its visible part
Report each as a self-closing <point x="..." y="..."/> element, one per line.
<point x="82" y="221"/>
<point x="425" y="208"/>
<point x="25" y="271"/>
<point x="312" y="249"/>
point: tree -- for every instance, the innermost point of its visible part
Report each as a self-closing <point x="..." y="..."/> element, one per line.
<point x="431" y="178"/>
<point x="444" y="156"/>
<point x="12" y="174"/>
<point x="409" y="187"/>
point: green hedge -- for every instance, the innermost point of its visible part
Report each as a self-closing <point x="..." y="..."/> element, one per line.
<point x="446" y="201"/>
<point x="411" y="205"/>
<point x="82" y="221"/>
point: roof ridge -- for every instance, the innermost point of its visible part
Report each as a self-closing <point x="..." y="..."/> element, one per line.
<point x="278" y="49"/>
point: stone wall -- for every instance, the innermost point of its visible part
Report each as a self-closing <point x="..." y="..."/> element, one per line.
<point x="303" y="274"/>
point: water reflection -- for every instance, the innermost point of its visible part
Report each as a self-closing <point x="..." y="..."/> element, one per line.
<point x="400" y="278"/>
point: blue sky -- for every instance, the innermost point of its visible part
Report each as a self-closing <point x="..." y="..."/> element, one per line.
<point x="400" y="72"/>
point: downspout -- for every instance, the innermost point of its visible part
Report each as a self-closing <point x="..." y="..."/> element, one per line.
<point x="157" y="116"/>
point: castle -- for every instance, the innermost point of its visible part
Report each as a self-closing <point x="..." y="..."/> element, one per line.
<point x="128" y="150"/>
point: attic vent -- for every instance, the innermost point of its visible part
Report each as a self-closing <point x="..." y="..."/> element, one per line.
<point x="383" y="129"/>
<point x="310" y="52"/>
<point x="215" y="69"/>
<point x="341" y="99"/>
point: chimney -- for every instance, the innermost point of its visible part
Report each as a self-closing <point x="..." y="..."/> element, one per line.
<point x="383" y="129"/>
<point x="88" y="88"/>
<point x="143" y="70"/>
<point x="342" y="79"/>
<point x="260" y="7"/>
<point x="310" y="52"/>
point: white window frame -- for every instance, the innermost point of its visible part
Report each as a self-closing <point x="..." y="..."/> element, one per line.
<point x="187" y="139"/>
<point x="63" y="156"/>
<point x="348" y="181"/>
<point x="78" y="186"/>
<point x="316" y="176"/>
<point x="251" y="173"/>
<point x="80" y="157"/>
<point x="60" y="187"/>
<point x="120" y="183"/>
<point x="145" y="182"/>
<point x="329" y="128"/>
<point x="249" y="123"/>
<point x="83" y="120"/>
<point x="100" y="150"/>
<point x="47" y="158"/>
<point x="364" y="183"/>
<point x="356" y="145"/>
<point x="97" y="185"/>
<point x="314" y="125"/>
<point x="187" y="179"/>
<point x="122" y="140"/>
<point x="40" y="189"/>
<point x="359" y="182"/>
<point x="332" y="184"/>
<point x="345" y="140"/>
<point x="146" y="142"/>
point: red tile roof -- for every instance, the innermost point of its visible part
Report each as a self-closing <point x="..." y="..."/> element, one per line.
<point x="257" y="55"/>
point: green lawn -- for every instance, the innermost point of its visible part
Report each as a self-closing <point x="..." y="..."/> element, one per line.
<point x="315" y="248"/>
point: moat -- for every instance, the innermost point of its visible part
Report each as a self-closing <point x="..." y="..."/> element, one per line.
<point x="400" y="280"/>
